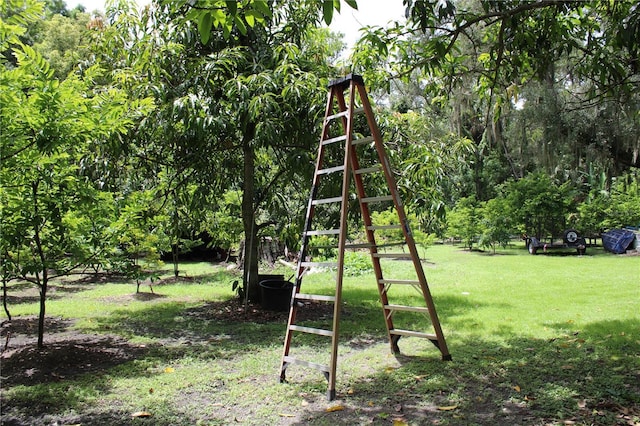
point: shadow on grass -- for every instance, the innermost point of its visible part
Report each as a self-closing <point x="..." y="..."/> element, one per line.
<point x="594" y="379"/>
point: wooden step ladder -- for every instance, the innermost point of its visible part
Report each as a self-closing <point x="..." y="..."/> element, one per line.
<point x="350" y="138"/>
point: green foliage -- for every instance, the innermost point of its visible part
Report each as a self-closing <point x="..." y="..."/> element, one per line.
<point x="463" y="221"/>
<point x="224" y="222"/>
<point x="357" y="263"/>
<point x="425" y="154"/>
<point x="139" y="233"/>
<point x="394" y="236"/>
<point x="48" y="126"/>
<point x="537" y="205"/>
<point x="62" y="41"/>
<point x="495" y="224"/>
<point x="237" y="18"/>
<point x="616" y="208"/>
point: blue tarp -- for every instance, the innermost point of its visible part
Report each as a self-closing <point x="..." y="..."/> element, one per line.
<point x="617" y="240"/>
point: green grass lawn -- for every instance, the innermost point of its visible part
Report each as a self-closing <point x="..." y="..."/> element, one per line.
<point x="544" y="339"/>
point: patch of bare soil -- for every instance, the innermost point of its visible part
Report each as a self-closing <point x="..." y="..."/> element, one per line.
<point x="66" y="352"/>
<point x="235" y="310"/>
<point x="69" y="353"/>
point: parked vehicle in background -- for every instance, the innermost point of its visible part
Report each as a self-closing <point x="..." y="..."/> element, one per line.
<point x="571" y="239"/>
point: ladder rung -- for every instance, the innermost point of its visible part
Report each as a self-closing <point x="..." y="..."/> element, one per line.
<point x="336" y="139"/>
<point x="330" y="170"/>
<point x="327" y="201"/>
<point x="383" y="227"/>
<point x="320" y="264"/>
<point x="322" y="232"/>
<point x="362" y="141"/>
<point x="359" y="245"/>
<point x="407" y="308"/>
<point x="310" y="330"/>
<point x="392" y="255"/>
<point x="411" y="333"/>
<point x="345" y="113"/>
<point x="404" y="282"/>
<point x="315" y="297"/>
<point x="376" y="199"/>
<point x="363" y="245"/>
<point x="373" y="169"/>
<point x="291" y="360"/>
<point x="338" y="115"/>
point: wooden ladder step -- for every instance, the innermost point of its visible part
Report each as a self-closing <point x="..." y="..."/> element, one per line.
<point x="319" y="264"/>
<point x="322" y="232"/>
<point x="383" y="227"/>
<point x="367" y="170"/>
<point x="345" y="113"/>
<point x="326" y="201"/>
<point x="420" y="309"/>
<point x="376" y="199"/>
<point x="311" y="330"/>
<point x="411" y="333"/>
<point x="359" y="246"/>
<point x="362" y="141"/>
<point x="393" y="255"/>
<point x="331" y="170"/>
<point x="333" y="140"/>
<point x="338" y="115"/>
<point x="403" y="282"/>
<point x="291" y="360"/>
<point x="315" y="297"/>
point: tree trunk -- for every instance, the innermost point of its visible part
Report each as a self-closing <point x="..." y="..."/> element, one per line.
<point x="43" y="299"/>
<point x="42" y="285"/>
<point x="174" y="258"/>
<point x="250" y="272"/>
<point x="4" y="296"/>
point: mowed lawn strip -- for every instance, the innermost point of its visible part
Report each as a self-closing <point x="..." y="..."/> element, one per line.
<point x="534" y="339"/>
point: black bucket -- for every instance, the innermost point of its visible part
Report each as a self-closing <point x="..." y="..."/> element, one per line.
<point x="275" y="295"/>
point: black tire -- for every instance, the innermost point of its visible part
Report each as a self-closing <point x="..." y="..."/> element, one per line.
<point x="571" y="236"/>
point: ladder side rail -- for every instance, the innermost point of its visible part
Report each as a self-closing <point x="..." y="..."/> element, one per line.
<point x="300" y="268"/>
<point x="368" y="226"/>
<point x="314" y="189"/>
<point x="347" y="123"/>
<point x="391" y="183"/>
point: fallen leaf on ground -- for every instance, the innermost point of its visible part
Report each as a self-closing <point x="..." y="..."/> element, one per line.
<point x="516" y="388"/>
<point x="286" y="415"/>
<point x="141" y="414"/>
<point x="399" y="422"/>
<point x="169" y="370"/>
<point x="335" y="408"/>
<point x="448" y="408"/>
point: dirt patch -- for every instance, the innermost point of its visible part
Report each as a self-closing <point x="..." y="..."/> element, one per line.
<point x="67" y="353"/>
<point x="235" y="310"/>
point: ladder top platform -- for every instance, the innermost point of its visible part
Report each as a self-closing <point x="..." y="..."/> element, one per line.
<point x="343" y="82"/>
